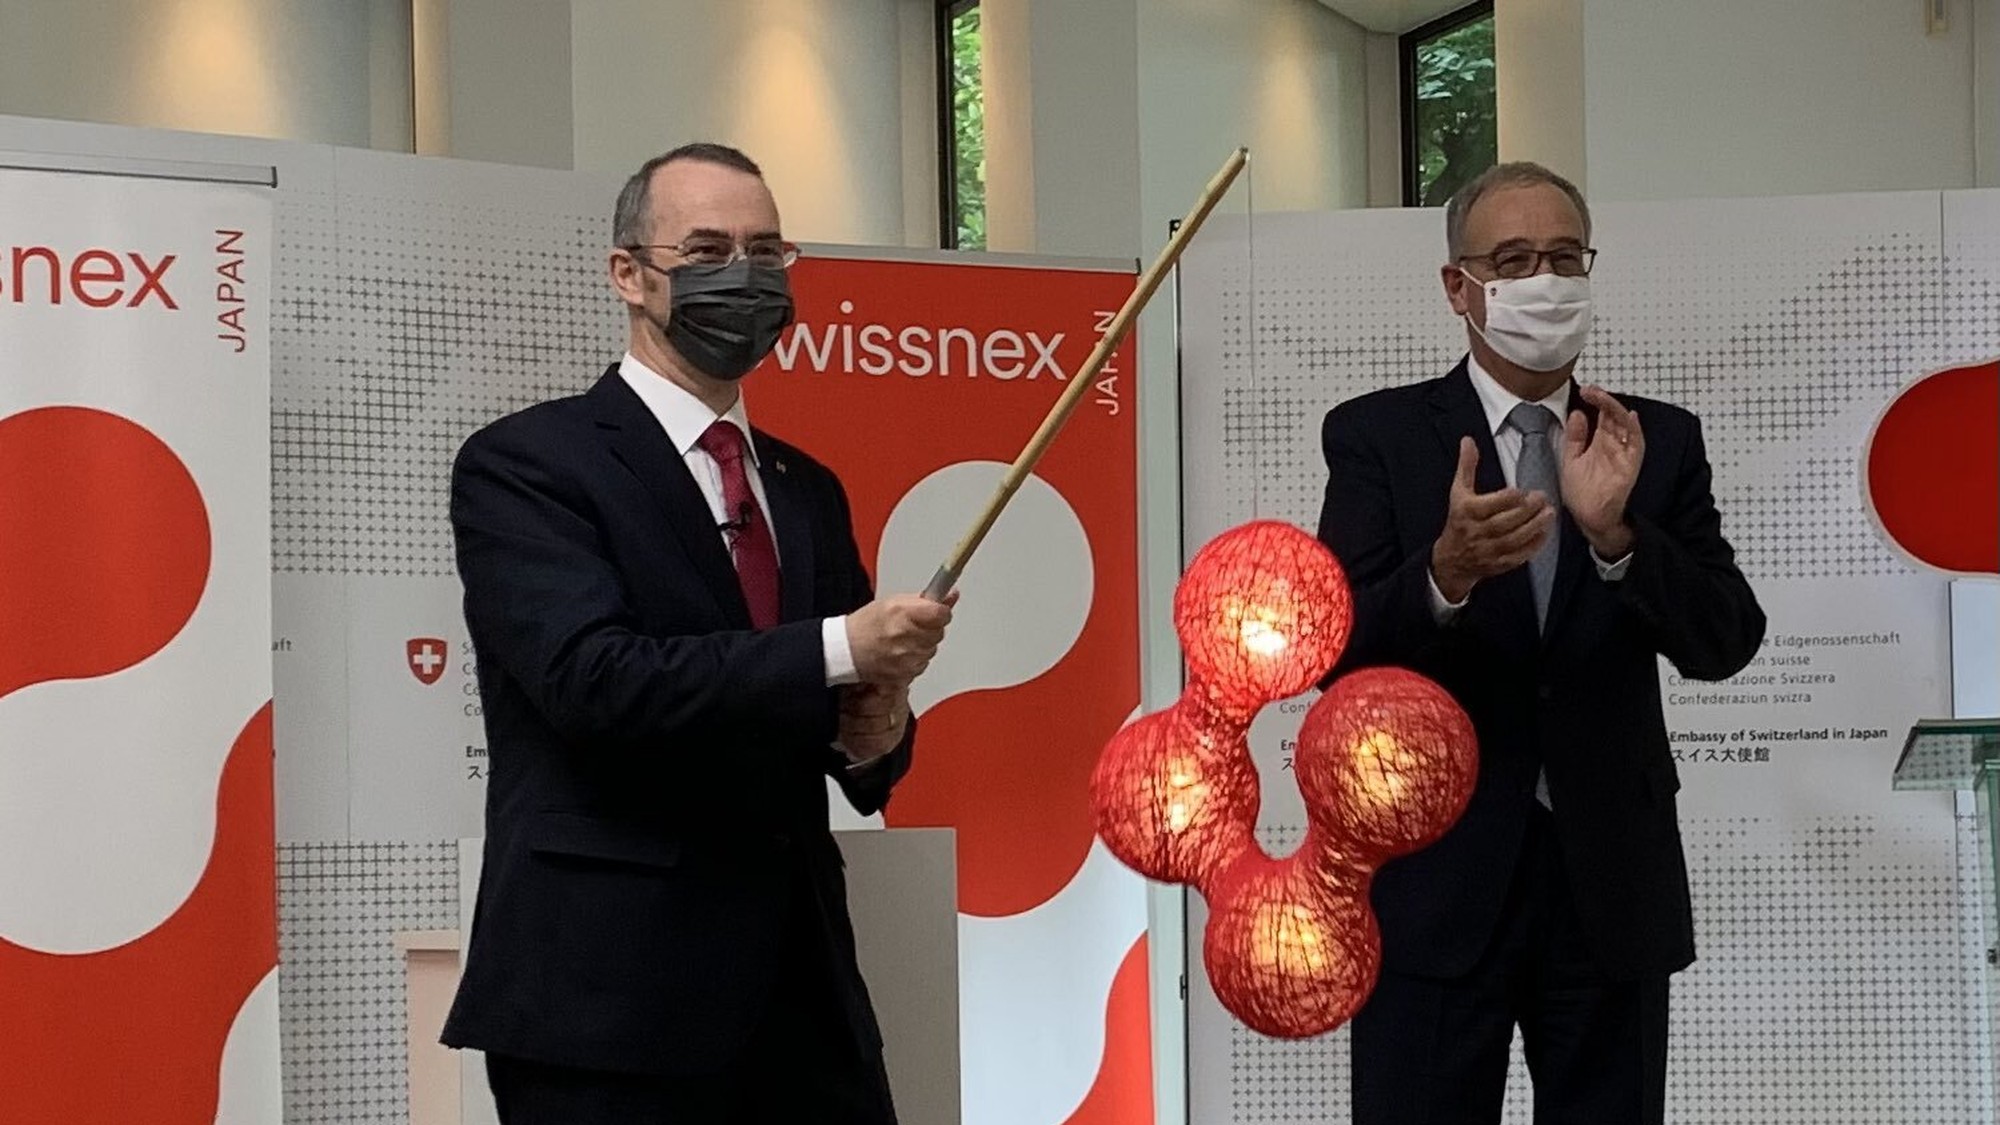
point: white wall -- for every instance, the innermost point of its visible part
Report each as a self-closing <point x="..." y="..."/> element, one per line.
<point x="1289" y="79"/>
<point x="811" y="89"/>
<point x="920" y="123"/>
<point x="301" y="70"/>
<point x="1286" y="77"/>
<point x="1385" y="120"/>
<point x="1985" y="16"/>
<point x="1538" y="76"/>
<point x="508" y="69"/>
<point x="1087" y="127"/>
<point x="1774" y="97"/>
<point x="1007" y="75"/>
<point x="391" y="76"/>
<point x="1062" y="87"/>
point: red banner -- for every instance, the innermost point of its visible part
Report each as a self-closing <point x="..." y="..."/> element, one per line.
<point x="918" y="382"/>
<point x="138" y="861"/>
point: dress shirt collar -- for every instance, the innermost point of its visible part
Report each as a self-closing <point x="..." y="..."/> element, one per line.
<point x="1498" y="401"/>
<point x="684" y="417"/>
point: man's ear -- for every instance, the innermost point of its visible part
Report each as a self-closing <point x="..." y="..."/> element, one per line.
<point x="628" y="277"/>
<point x="1455" y="281"/>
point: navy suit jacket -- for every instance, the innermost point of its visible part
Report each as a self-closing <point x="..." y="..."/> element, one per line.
<point x="1580" y="698"/>
<point x="657" y="836"/>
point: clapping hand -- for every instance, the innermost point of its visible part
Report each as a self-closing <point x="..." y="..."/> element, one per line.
<point x="1486" y="534"/>
<point x="1599" y="469"/>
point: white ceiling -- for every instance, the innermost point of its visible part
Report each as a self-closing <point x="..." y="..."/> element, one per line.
<point x="1393" y="17"/>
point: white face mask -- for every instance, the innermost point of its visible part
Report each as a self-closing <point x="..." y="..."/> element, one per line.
<point x="1538" y="322"/>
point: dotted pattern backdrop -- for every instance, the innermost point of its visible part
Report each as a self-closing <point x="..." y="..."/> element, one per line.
<point x="341" y="994"/>
<point x="415" y="301"/>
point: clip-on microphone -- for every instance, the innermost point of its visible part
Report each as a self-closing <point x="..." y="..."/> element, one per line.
<point x="740" y="524"/>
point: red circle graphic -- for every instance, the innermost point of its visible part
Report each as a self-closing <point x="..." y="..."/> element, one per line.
<point x="104" y="545"/>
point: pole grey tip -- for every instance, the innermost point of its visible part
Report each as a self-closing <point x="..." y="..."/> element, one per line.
<point x="941" y="584"/>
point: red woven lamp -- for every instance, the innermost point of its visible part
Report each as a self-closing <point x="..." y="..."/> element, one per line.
<point x="1176" y="794"/>
<point x="1292" y="947"/>
<point x="1386" y="764"/>
<point x="1262" y="613"/>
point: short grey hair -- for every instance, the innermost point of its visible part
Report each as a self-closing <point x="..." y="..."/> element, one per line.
<point x="1520" y="173"/>
<point x="632" y="219"/>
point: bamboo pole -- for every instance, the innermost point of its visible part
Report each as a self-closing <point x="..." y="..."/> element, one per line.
<point x="947" y="576"/>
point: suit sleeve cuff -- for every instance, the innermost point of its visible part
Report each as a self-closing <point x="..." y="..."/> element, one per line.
<point x="840" y="668"/>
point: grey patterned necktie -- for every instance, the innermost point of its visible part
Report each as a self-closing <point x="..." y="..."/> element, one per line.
<point x="1536" y="472"/>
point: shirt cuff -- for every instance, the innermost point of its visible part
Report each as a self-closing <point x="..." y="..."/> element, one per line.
<point x="839" y="654"/>
<point x="1611" y="571"/>
<point x="1442" y="611"/>
<point x="857" y="768"/>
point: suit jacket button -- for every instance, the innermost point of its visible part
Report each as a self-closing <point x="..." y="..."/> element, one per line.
<point x="782" y="841"/>
<point x="1545" y="693"/>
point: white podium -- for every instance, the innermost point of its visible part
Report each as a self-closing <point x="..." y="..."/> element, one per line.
<point x="902" y="890"/>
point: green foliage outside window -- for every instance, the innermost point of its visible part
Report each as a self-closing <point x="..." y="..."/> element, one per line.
<point x="1457" y="133"/>
<point x="968" y="131"/>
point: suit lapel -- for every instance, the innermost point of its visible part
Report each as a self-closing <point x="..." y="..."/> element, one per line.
<point x="791" y="527"/>
<point x="636" y="440"/>
<point x="1456" y="413"/>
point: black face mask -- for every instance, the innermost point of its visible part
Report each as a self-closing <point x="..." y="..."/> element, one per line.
<point x="725" y="319"/>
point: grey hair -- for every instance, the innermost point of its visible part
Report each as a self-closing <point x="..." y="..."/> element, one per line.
<point x="632" y="219"/>
<point x="1520" y="173"/>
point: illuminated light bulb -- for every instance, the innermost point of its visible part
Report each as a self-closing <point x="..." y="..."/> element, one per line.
<point x="1185" y="793"/>
<point x="1291" y="946"/>
<point x="1386" y="762"/>
<point x="1259" y="637"/>
<point x="1381" y="762"/>
<point x="1288" y="939"/>
<point x="1174" y="795"/>
<point x="1263" y="613"/>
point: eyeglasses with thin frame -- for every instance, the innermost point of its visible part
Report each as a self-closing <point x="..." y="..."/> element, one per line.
<point x="1518" y="262"/>
<point x="704" y="250"/>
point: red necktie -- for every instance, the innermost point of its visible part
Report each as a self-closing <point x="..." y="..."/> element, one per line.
<point x="750" y="541"/>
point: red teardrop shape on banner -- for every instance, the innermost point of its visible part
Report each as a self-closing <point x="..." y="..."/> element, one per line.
<point x="104" y="545"/>
<point x="136" y="1033"/>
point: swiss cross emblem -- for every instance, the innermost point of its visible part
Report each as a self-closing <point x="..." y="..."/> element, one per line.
<point x="426" y="658"/>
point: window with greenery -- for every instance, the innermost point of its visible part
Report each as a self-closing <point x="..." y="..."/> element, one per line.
<point x="961" y="127"/>
<point x="1450" y="132"/>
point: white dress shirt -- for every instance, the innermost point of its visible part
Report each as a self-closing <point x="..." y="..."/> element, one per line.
<point x="1498" y="402"/>
<point x="685" y="418"/>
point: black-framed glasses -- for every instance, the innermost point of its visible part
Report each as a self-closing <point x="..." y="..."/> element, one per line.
<point x="702" y="250"/>
<point x="1519" y="262"/>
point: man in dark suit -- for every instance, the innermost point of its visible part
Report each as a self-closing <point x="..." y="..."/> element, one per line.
<point x="677" y="645"/>
<point x="1529" y="546"/>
